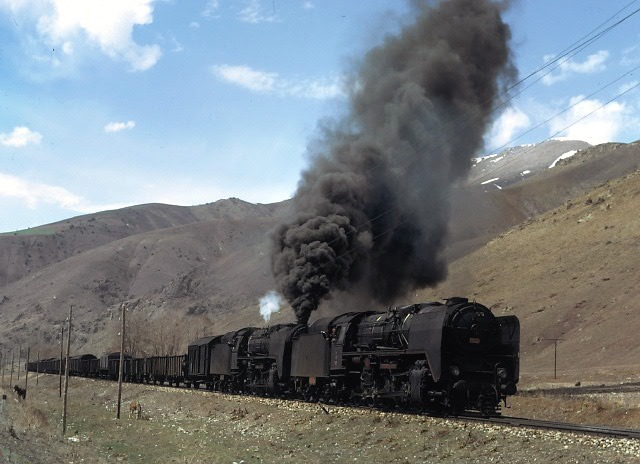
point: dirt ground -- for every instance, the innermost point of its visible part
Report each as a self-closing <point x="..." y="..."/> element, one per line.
<point x="188" y="426"/>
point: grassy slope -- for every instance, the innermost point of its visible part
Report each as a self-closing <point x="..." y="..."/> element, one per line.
<point x="200" y="427"/>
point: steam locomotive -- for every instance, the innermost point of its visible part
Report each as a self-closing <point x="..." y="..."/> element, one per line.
<point x="446" y="357"/>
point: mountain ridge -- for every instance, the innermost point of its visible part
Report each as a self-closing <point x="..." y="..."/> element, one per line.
<point x="204" y="268"/>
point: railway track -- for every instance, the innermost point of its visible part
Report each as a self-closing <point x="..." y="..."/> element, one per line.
<point x="521" y="422"/>
<point x="582" y="390"/>
<point x="612" y="432"/>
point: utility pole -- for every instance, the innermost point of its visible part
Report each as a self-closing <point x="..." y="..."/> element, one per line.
<point x="555" y="354"/>
<point x="19" y="360"/>
<point x="121" y="366"/>
<point x="26" y="374"/>
<point x="13" y="355"/>
<point x="3" y="400"/>
<point x="60" y="367"/>
<point x="38" y="369"/>
<point x="66" y="375"/>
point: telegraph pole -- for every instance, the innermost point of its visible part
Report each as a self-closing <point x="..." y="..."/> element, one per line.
<point x="555" y="354"/>
<point x="120" y="368"/>
<point x="2" y="362"/>
<point x="60" y="367"/>
<point x="13" y="356"/>
<point x="26" y="374"/>
<point x="19" y="359"/>
<point x="38" y="369"/>
<point x="66" y="375"/>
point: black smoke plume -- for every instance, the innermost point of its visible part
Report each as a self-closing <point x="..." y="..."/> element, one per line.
<point x="372" y="209"/>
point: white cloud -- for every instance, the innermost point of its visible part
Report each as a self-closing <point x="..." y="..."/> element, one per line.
<point x="33" y="194"/>
<point x="211" y="9"/>
<point x="20" y="137"/>
<point x="67" y="48"/>
<point x="317" y="89"/>
<point x="119" y="126"/>
<point x="593" y="63"/>
<point x="67" y="24"/>
<point x="630" y="56"/>
<point x="253" y="13"/>
<point x="627" y="86"/>
<point x="603" y="125"/>
<point x="308" y="5"/>
<point x="177" y="46"/>
<point x="510" y="121"/>
<point x="36" y="195"/>
<point x="271" y="82"/>
<point x="244" y="76"/>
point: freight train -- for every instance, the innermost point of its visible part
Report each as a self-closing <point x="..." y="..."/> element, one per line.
<point x="447" y="357"/>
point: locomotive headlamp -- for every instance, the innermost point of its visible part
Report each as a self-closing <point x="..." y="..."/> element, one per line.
<point x="502" y="373"/>
<point x="455" y="371"/>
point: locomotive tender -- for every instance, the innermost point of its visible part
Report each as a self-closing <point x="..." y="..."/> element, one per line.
<point x="445" y="357"/>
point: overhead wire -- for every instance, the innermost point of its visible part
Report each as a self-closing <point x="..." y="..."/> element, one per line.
<point x="577" y="44"/>
<point x="549" y="138"/>
<point x="564" y="55"/>
<point x="510" y="160"/>
<point x="537" y="126"/>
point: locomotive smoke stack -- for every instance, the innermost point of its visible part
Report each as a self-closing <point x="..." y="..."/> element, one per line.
<point x="269" y="304"/>
<point x="372" y="208"/>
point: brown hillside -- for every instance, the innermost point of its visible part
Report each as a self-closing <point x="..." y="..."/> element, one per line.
<point x="24" y="252"/>
<point x="193" y="269"/>
<point x="27" y="251"/>
<point x="570" y="273"/>
<point x="479" y="212"/>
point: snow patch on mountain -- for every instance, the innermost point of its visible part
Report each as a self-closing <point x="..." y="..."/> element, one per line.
<point x="565" y="155"/>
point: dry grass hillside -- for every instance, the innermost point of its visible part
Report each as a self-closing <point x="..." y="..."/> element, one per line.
<point x="570" y="273"/>
<point x="24" y="252"/>
<point x="173" y="265"/>
<point x="481" y="212"/>
<point x="182" y="272"/>
<point x="189" y="426"/>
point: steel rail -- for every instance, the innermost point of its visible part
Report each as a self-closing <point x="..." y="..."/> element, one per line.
<point x="614" y="432"/>
<point x="583" y="390"/>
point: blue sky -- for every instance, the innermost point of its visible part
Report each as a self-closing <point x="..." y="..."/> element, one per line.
<point x="109" y="103"/>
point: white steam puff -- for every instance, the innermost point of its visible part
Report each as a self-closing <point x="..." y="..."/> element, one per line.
<point x="269" y="304"/>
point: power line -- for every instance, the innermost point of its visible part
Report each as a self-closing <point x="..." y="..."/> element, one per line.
<point x="567" y="53"/>
<point x="390" y="229"/>
<point x="579" y="44"/>
<point x="573" y="105"/>
<point x="563" y="56"/>
<point x="514" y="158"/>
